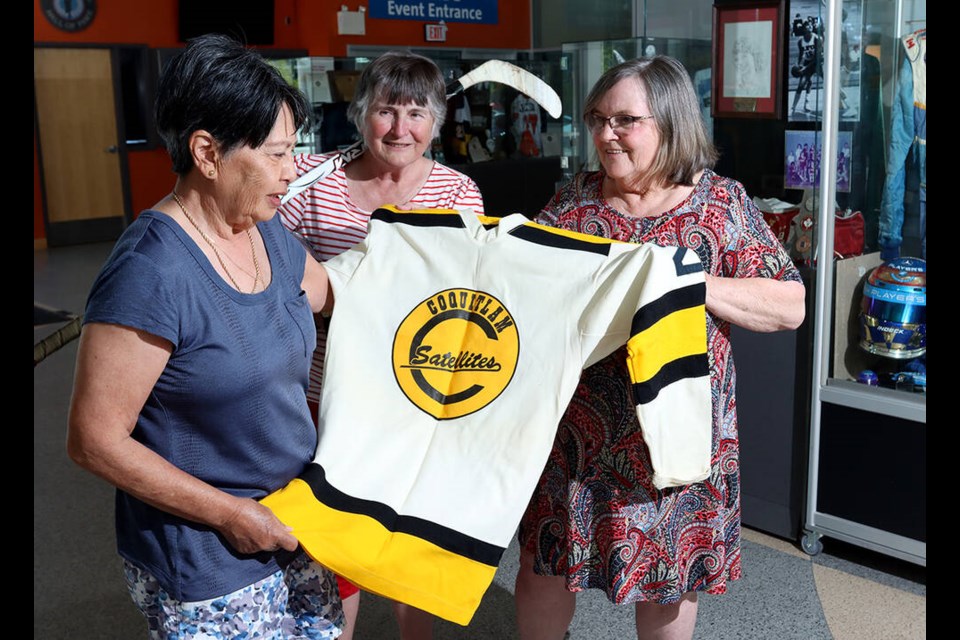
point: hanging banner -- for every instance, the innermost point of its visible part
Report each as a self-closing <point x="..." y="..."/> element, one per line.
<point x="471" y="11"/>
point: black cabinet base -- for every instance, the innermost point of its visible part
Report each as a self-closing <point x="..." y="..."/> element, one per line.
<point x="873" y="470"/>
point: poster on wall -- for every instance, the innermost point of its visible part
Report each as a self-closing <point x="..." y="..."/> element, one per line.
<point x="805" y="60"/>
<point x="802" y="159"/>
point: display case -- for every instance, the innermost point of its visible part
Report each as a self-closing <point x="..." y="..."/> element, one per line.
<point x="867" y="453"/>
<point x="506" y="142"/>
<point x="490" y="112"/>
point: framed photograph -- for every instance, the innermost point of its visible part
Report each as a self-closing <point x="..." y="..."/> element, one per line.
<point x="801" y="162"/>
<point x="747" y="78"/>
<point x="804" y="83"/>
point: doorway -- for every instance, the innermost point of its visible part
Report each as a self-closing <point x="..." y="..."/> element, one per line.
<point x="82" y="157"/>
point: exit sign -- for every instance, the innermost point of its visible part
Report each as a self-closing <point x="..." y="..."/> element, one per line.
<point x="436" y="32"/>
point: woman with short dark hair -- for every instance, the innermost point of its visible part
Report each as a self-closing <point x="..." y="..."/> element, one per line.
<point x="192" y="367"/>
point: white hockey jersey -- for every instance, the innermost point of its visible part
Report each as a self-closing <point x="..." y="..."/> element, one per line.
<point x="455" y="345"/>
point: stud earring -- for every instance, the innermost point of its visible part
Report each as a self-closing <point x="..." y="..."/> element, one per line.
<point x="210" y="173"/>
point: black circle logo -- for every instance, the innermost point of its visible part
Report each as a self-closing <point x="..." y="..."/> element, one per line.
<point x="69" y="15"/>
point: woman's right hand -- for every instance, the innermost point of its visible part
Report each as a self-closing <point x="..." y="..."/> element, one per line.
<point x="253" y="527"/>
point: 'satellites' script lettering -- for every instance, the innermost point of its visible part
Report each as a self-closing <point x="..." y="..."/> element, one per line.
<point x="464" y="361"/>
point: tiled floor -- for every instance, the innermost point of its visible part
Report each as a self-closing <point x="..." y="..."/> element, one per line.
<point x="844" y="593"/>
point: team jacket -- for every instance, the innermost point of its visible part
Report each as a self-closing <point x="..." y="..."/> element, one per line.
<point x="455" y="345"/>
<point x="908" y="138"/>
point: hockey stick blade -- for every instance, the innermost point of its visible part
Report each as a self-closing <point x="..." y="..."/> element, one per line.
<point x="322" y="170"/>
<point x="490" y="71"/>
<point x="511" y="75"/>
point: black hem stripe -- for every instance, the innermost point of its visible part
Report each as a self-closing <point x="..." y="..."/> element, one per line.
<point x="444" y="537"/>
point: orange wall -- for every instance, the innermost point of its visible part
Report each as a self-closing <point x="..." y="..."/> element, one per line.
<point x="38" y="230"/>
<point x="317" y="24"/>
<point x="309" y="25"/>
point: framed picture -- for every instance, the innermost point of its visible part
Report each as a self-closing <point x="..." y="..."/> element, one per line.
<point x="747" y="78"/>
<point x="804" y="82"/>
<point x="801" y="161"/>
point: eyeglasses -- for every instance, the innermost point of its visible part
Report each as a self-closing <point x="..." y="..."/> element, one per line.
<point x="618" y="124"/>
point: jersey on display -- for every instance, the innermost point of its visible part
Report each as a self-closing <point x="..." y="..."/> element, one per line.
<point x="456" y="344"/>
<point x="525" y="115"/>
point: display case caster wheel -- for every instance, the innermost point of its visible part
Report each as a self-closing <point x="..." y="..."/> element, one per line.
<point x="811" y="543"/>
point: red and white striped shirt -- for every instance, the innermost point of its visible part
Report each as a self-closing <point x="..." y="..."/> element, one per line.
<point x="330" y="223"/>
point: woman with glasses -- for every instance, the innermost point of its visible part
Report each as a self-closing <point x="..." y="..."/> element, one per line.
<point x="596" y="520"/>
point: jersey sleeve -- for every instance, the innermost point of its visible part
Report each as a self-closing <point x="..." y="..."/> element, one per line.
<point x="654" y="299"/>
<point x="341" y="267"/>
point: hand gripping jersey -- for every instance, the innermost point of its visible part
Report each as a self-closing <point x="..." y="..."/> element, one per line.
<point x="454" y="348"/>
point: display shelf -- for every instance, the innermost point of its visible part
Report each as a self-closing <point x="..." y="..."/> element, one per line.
<point x="855" y="427"/>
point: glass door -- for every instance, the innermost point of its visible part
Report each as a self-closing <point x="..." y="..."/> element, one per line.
<point x="869" y="353"/>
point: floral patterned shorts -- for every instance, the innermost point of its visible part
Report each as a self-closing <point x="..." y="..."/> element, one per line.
<point x="299" y="602"/>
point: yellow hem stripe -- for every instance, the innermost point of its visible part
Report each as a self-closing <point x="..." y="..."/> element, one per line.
<point x="398" y="566"/>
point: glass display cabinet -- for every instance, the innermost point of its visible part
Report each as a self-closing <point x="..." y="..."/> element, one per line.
<point x="482" y="111"/>
<point x="867" y="453"/>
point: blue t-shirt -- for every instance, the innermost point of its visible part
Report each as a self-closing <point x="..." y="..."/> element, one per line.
<point x="230" y="406"/>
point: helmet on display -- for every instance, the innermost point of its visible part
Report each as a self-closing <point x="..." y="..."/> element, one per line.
<point x="893" y="312"/>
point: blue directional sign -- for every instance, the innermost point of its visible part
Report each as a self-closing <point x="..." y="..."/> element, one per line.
<point x="472" y="11"/>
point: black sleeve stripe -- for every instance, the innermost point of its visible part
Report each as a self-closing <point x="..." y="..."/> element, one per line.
<point x="549" y="237"/>
<point x="443" y="537"/>
<point x="694" y="366"/>
<point x="435" y="218"/>
<point x="683" y="298"/>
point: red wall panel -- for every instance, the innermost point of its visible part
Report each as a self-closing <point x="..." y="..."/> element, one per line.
<point x="309" y="25"/>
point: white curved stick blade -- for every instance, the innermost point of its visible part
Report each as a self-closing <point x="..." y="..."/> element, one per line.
<point x="322" y="170"/>
<point x="518" y="78"/>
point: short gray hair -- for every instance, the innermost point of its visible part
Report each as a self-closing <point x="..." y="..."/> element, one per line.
<point x="400" y="77"/>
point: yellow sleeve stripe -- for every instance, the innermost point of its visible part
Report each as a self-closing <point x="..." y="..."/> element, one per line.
<point x="680" y="334"/>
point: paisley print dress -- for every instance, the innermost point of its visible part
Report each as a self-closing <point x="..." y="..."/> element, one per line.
<point x="596" y="517"/>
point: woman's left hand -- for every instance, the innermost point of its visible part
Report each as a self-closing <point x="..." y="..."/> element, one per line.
<point x="253" y="527"/>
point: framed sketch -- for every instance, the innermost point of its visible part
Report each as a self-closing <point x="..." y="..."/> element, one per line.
<point x="801" y="161"/>
<point x="747" y="78"/>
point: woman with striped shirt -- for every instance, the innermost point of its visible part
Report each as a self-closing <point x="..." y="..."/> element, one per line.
<point x="399" y="106"/>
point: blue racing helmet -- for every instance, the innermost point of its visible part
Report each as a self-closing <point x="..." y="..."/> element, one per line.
<point x="893" y="311"/>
